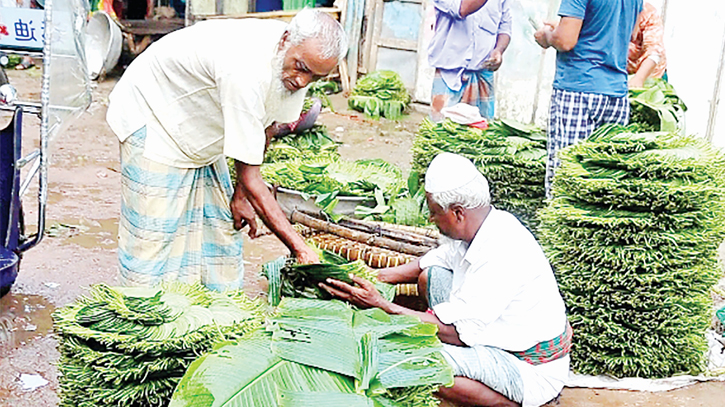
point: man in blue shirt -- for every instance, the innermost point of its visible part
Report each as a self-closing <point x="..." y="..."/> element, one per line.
<point x="590" y="87"/>
<point x="467" y="47"/>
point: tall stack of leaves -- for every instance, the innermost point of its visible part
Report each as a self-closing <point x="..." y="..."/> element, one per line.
<point x="128" y="347"/>
<point x="632" y="232"/>
<point x="314" y="142"/>
<point x="286" y="278"/>
<point x="511" y="155"/>
<point x="322" y="353"/>
<point x="380" y="93"/>
<point x="656" y="107"/>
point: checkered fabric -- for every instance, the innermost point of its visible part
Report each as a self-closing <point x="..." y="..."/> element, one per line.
<point x="477" y="90"/>
<point x="176" y="223"/>
<point x="573" y="116"/>
<point x="544" y="352"/>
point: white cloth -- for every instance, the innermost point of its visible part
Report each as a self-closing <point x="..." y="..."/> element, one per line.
<point x="504" y="294"/>
<point x="204" y="91"/>
<point x="450" y="171"/>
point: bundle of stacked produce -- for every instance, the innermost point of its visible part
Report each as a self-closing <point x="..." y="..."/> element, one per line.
<point x="633" y="231"/>
<point x="321" y="89"/>
<point x="656" y="107"/>
<point x="288" y="279"/>
<point x="380" y="93"/>
<point x="511" y="155"/>
<point x="322" y="353"/>
<point x="128" y="347"/>
<point x="328" y="177"/>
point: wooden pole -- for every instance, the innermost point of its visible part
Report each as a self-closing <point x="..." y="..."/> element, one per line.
<point x="358" y="236"/>
<point x="380" y="230"/>
<point x="715" y="101"/>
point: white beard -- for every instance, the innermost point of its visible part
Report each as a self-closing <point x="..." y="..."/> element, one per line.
<point x="277" y="92"/>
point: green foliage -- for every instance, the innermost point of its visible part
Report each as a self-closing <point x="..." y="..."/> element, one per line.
<point x="288" y="279"/>
<point x="408" y="207"/>
<point x="320" y="89"/>
<point x="656" y="107"/>
<point x="322" y="353"/>
<point x="632" y="232"/>
<point x="314" y="142"/>
<point x="380" y="94"/>
<point x="511" y="155"/>
<point x="130" y="346"/>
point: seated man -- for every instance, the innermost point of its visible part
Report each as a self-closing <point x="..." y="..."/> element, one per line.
<point x="492" y="293"/>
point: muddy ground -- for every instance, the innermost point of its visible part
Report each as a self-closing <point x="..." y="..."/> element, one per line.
<point x="80" y="248"/>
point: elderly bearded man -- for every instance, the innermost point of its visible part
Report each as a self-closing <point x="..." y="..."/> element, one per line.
<point x="492" y="293"/>
<point x="219" y="88"/>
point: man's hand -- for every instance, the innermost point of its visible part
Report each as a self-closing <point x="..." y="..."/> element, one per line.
<point x="493" y="62"/>
<point x="543" y="34"/>
<point x="243" y="214"/>
<point x="307" y="256"/>
<point x="363" y="296"/>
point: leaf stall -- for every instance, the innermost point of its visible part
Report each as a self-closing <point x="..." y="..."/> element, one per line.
<point x="632" y="232"/>
<point x="324" y="353"/>
<point x="129" y="347"/>
<point x="380" y="94"/>
<point x="314" y="142"/>
<point x="511" y="155"/>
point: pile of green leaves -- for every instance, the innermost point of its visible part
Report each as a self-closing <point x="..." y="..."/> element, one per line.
<point x="328" y="177"/>
<point x="632" y="232"/>
<point x="322" y="353"/>
<point x="320" y="89"/>
<point x="314" y="142"/>
<point x="656" y="107"/>
<point x="511" y="155"/>
<point x="288" y="279"/>
<point x="380" y="93"/>
<point x="128" y="347"/>
<point x="408" y="207"/>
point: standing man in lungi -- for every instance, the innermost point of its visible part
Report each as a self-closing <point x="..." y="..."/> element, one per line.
<point x="590" y="87"/>
<point x="217" y="89"/>
<point x="491" y="291"/>
<point x="470" y="37"/>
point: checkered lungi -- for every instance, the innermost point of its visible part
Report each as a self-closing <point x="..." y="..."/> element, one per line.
<point x="573" y="116"/>
<point x="176" y="223"/>
<point x="476" y="90"/>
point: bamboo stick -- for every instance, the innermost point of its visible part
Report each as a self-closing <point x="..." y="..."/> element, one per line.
<point x="358" y="236"/>
<point x="383" y="230"/>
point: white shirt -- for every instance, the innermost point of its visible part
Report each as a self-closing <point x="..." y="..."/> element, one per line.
<point x="204" y="91"/>
<point x="504" y="292"/>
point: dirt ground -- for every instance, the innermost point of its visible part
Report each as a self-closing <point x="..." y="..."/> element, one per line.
<point x="80" y="249"/>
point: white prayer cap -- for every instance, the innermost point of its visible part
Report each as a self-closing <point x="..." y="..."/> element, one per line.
<point x="450" y="171"/>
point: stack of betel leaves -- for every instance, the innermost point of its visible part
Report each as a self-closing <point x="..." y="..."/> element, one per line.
<point x="128" y="347"/>
<point x="380" y="93"/>
<point x="328" y="177"/>
<point x="656" y="107"/>
<point x="511" y="155"/>
<point x="632" y="232"/>
<point x="286" y="278"/>
<point x="322" y="353"/>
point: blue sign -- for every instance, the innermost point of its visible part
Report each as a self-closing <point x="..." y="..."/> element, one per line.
<point x="22" y="28"/>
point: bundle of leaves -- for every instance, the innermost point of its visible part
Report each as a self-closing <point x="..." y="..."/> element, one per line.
<point x="407" y="207"/>
<point x="314" y="142"/>
<point x="632" y="232"/>
<point x="320" y="89"/>
<point x="380" y="93"/>
<point x="322" y="353"/>
<point x="129" y="347"/>
<point x="511" y="155"/>
<point x="656" y="107"/>
<point x="328" y="177"/>
<point x="288" y="279"/>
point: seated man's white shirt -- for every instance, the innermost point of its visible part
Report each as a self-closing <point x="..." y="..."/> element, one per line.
<point x="205" y="91"/>
<point x="504" y="295"/>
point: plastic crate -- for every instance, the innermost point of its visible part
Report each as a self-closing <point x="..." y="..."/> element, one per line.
<point x="297" y="4"/>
